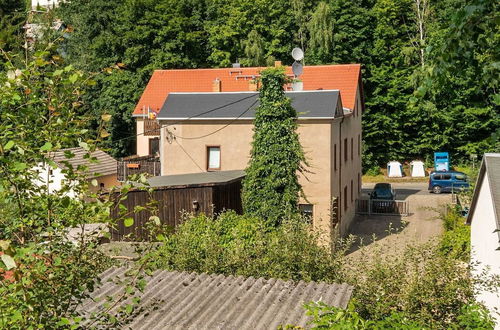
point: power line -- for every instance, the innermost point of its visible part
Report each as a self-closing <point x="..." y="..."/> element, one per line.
<point x="194" y="116"/>
<point x="192" y="159"/>
<point x="217" y="130"/>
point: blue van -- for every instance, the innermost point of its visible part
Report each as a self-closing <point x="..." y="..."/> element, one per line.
<point x="447" y="181"/>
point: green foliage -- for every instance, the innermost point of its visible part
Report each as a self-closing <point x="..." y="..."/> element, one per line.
<point x="12" y="17"/>
<point x="271" y="187"/>
<point x="242" y="245"/>
<point x="374" y="171"/>
<point x="321" y="33"/>
<point x="471" y="316"/>
<point x="455" y="242"/>
<point x="328" y="317"/>
<point x="422" y="283"/>
<point x="254" y="50"/>
<point x="44" y="272"/>
<point x="422" y="92"/>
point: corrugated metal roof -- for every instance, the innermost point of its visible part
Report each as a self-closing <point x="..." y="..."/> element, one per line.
<point x="181" y="300"/>
<point x="105" y="165"/>
<point x="308" y="104"/>
<point x="344" y="77"/>
<point x="203" y="178"/>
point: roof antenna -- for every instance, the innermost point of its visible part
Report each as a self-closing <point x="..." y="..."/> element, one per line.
<point x="297" y="68"/>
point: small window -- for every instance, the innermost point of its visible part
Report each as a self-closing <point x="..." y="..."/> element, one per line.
<point x="352" y="192"/>
<point x="213" y="158"/>
<point x="437" y="177"/>
<point x="345" y="198"/>
<point x="359" y="145"/>
<point x="345" y="150"/>
<point x="446" y="177"/>
<point x="154" y="146"/>
<point x="460" y="177"/>
<point x="306" y="210"/>
<point x="335" y="156"/>
<point x="352" y="149"/>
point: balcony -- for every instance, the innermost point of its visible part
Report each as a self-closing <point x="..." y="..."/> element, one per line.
<point x="137" y="165"/>
<point x="151" y="127"/>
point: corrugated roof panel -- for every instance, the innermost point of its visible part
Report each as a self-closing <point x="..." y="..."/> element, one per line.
<point x="205" y="178"/>
<point x="105" y="165"/>
<point x="180" y="300"/>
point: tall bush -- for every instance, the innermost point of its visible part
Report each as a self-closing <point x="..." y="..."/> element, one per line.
<point x="242" y="245"/>
<point x="271" y="187"/>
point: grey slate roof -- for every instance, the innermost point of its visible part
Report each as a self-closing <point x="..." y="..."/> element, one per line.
<point x="105" y="165"/>
<point x="203" y="178"/>
<point x="181" y="300"/>
<point x="308" y="104"/>
<point x="490" y="166"/>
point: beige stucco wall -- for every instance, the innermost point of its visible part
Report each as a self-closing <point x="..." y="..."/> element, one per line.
<point x="179" y="155"/>
<point x="142" y="140"/>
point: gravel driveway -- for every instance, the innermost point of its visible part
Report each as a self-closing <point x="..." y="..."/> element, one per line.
<point x="393" y="233"/>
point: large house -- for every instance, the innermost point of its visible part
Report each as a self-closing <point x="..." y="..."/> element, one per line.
<point x="484" y="219"/>
<point x="202" y="120"/>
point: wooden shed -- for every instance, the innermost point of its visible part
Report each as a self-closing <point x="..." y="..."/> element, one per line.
<point x="206" y="192"/>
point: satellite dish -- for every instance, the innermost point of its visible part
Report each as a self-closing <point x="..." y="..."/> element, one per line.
<point x="297" y="54"/>
<point x="297" y="68"/>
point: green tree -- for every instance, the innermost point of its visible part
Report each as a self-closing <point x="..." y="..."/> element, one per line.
<point x="12" y="16"/>
<point x="320" y="29"/>
<point x="271" y="187"/>
<point x="254" y="50"/>
<point x="387" y="85"/>
<point x="44" y="275"/>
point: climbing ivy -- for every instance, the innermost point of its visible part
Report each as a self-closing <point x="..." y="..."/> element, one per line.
<point x="271" y="188"/>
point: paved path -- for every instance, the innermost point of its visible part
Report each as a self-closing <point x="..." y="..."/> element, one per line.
<point x="393" y="233"/>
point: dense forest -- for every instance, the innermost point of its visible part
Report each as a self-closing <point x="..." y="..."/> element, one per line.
<point x="430" y="68"/>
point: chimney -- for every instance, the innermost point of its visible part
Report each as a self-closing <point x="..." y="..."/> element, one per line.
<point x="277" y="63"/>
<point x="217" y="85"/>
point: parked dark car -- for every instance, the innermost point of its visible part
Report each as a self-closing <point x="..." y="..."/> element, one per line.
<point x="447" y="181"/>
<point x="382" y="198"/>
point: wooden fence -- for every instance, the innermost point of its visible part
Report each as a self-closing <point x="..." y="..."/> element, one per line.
<point x="137" y="165"/>
<point x="172" y="203"/>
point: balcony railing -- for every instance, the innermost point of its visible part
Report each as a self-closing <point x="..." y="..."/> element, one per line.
<point x="136" y="165"/>
<point x="151" y="127"/>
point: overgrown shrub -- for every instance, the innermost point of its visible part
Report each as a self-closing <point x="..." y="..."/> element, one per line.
<point x="422" y="283"/>
<point x="373" y="171"/>
<point x="241" y="245"/>
<point x="470" y="316"/>
<point x="455" y="242"/>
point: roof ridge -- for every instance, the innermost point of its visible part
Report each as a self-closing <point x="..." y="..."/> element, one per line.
<point x="256" y="67"/>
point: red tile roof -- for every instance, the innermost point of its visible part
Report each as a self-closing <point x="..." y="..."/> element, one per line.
<point x="344" y="77"/>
